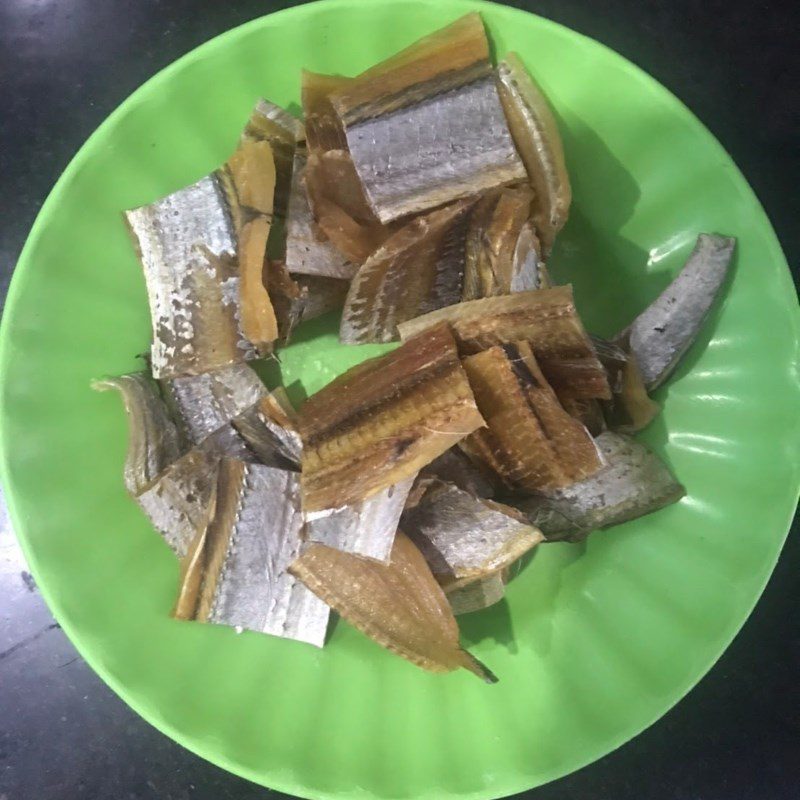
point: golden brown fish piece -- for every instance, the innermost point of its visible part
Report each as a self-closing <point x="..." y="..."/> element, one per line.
<point x="465" y="538"/>
<point x="545" y="318"/>
<point x="235" y="572"/>
<point x="529" y="440"/>
<point x="538" y="141"/>
<point x="399" y="605"/>
<point x="631" y="409"/>
<point x="417" y="269"/>
<point x="383" y="420"/>
<point x="426" y="126"/>
<point x="492" y="265"/>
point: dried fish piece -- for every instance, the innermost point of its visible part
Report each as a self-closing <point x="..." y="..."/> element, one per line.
<point x="180" y="500"/>
<point x="202" y="250"/>
<point x="206" y="402"/>
<point x="633" y="483"/>
<point x="537" y="139"/>
<point x="236" y="573"/>
<point x="465" y="538"/>
<point x="383" y="420"/>
<point x="447" y="146"/>
<point x="154" y="440"/>
<point x="477" y="595"/>
<point x="366" y="528"/>
<point x="545" y="318"/>
<point x="286" y="295"/>
<point x="269" y="430"/>
<point x="417" y="269"/>
<point x="631" y="409"/>
<point x="426" y="127"/>
<point x="324" y="131"/>
<point x="308" y="249"/>
<point x="665" y="330"/>
<point x="456" y="467"/>
<point x="273" y="124"/>
<point x="528" y="270"/>
<point x="529" y="439"/>
<point x="399" y="605"/>
<point x="493" y="266"/>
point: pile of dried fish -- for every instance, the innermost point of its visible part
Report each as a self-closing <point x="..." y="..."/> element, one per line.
<point x="421" y="197"/>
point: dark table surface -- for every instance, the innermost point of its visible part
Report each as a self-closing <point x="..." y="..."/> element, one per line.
<point x="64" y="65"/>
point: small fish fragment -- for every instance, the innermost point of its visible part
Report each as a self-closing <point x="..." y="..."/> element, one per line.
<point x="665" y="330"/>
<point x="465" y="538"/>
<point x="366" y="528"/>
<point x="477" y="595"/>
<point x="202" y="250"/>
<point x="273" y="124"/>
<point x="528" y="270"/>
<point x="308" y="249"/>
<point x="154" y="440"/>
<point x="399" y="605"/>
<point x="456" y="467"/>
<point x="204" y="403"/>
<point x="287" y="297"/>
<point x="426" y="127"/>
<point x="418" y="269"/>
<point x="631" y="409"/>
<point x="493" y="265"/>
<point x="383" y="420"/>
<point x="180" y="501"/>
<point x="535" y="133"/>
<point x="545" y="318"/>
<point x="530" y="440"/>
<point x="269" y="430"/>
<point x="236" y="573"/>
<point x="633" y="483"/>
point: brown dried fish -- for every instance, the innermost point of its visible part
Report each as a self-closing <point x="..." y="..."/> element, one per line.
<point x="631" y="409"/>
<point x="426" y="126"/>
<point x="417" y="269"/>
<point x="477" y="595"/>
<point x="366" y="528"/>
<point x="204" y="403"/>
<point x="399" y="605"/>
<point x="236" y="571"/>
<point x="493" y="266"/>
<point x="545" y="318"/>
<point x="536" y="136"/>
<point x="154" y="440"/>
<point x="633" y="483"/>
<point x="269" y="431"/>
<point x="464" y="538"/>
<point x="383" y="420"/>
<point x="530" y="440"/>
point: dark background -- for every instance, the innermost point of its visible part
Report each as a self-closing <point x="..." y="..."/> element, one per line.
<point x="65" y="65"/>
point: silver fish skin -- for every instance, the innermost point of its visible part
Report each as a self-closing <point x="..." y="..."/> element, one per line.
<point x="308" y="251"/>
<point x="633" y="483"/>
<point x="445" y="147"/>
<point x="154" y="440"/>
<point x="180" y="501"/>
<point x="477" y="595"/>
<point x="365" y="529"/>
<point x="207" y="402"/>
<point x="665" y="330"/>
<point x="254" y="589"/>
<point x="187" y="245"/>
<point x="281" y="117"/>
<point x="464" y="537"/>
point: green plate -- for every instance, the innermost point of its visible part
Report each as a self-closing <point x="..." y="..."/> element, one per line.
<point x="594" y="643"/>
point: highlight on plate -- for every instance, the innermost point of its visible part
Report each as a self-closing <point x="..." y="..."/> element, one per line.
<point x="422" y="198"/>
